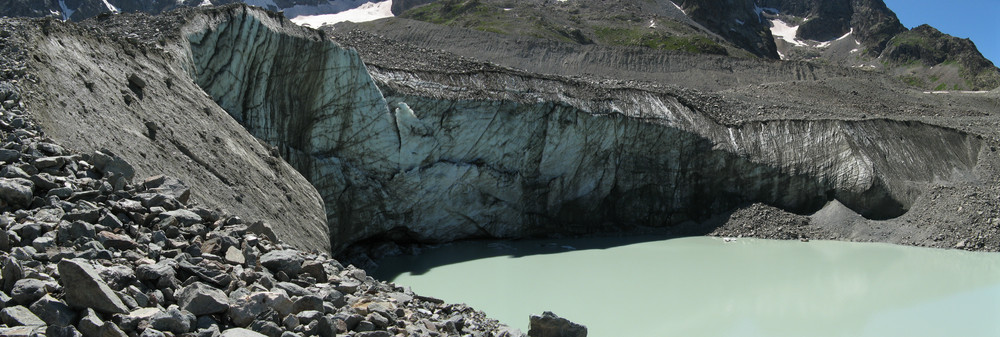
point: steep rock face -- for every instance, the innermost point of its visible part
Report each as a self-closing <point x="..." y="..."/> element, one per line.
<point x="930" y="47"/>
<point x="872" y="22"/>
<point x="134" y="96"/>
<point x="737" y="20"/>
<point x="438" y="155"/>
<point x="312" y="99"/>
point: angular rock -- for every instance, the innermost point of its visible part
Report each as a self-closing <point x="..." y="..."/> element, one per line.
<point x="116" y="241"/>
<point x="174" y="320"/>
<point x="85" y="289"/>
<point x="242" y="311"/>
<point x="10" y="274"/>
<point x="292" y="289"/>
<point x="208" y="271"/>
<point x="23" y="331"/>
<point x="267" y="328"/>
<point x="150" y="332"/>
<point x="168" y="186"/>
<point x="160" y="270"/>
<point x="263" y="229"/>
<point x="201" y="299"/>
<point x="71" y="231"/>
<point x="184" y="217"/>
<point x="28" y="231"/>
<point x="19" y="316"/>
<point x="551" y="325"/>
<point x="287" y="261"/>
<point x="307" y="302"/>
<point x="241" y="332"/>
<point x="43" y="244"/>
<point x="90" y="324"/>
<point x="53" y="311"/>
<point x="16" y="192"/>
<point x="49" y="162"/>
<point x="9" y="156"/>
<point x="62" y="331"/>
<point x="27" y="291"/>
<point x="137" y="318"/>
<point x="110" y="164"/>
<point x="234" y="256"/>
<point x="90" y="216"/>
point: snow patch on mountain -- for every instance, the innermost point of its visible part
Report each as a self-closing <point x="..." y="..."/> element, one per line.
<point x="318" y="16"/>
<point x="269" y="4"/>
<point x="111" y="7"/>
<point x="66" y="12"/>
<point x="827" y="43"/>
<point x="780" y="29"/>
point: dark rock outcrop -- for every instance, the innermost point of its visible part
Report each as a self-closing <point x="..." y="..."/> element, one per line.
<point x="737" y="21"/>
<point x="551" y="325"/>
<point x="197" y="143"/>
<point x="929" y="47"/>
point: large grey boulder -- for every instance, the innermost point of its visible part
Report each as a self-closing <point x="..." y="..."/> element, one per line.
<point x="288" y="261"/>
<point x="551" y="325"/>
<point x="27" y="291"/>
<point x="85" y="289"/>
<point x="16" y="192"/>
<point x="202" y="299"/>
<point x="19" y="316"/>
<point x="53" y="311"/>
<point x="174" y="320"/>
<point x="244" y="310"/>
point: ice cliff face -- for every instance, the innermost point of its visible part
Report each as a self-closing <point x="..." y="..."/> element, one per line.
<point x="437" y="156"/>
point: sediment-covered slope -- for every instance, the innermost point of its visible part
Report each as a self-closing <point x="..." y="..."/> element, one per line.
<point x="445" y="155"/>
<point x="98" y="89"/>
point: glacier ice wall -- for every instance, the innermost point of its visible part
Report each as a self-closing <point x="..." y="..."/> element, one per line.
<point x="440" y="156"/>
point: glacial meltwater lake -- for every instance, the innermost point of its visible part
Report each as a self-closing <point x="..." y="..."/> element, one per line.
<point x="703" y="286"/>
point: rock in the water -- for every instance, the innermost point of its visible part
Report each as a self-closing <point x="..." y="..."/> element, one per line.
<point x="201" y="299"/>
<point x="287" y="261"/>
<point x="550" y="325"/>
<point x="18" y="316"/>
<point x="85" y="289"/>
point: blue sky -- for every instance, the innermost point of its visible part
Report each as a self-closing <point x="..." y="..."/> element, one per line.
<point x="978" y="20"/>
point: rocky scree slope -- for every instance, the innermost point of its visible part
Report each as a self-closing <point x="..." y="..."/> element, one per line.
<point x="85" y="252"/>
<point x="111" y="84"/>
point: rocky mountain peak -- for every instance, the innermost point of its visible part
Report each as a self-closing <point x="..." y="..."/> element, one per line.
<point x="739" y="21"/>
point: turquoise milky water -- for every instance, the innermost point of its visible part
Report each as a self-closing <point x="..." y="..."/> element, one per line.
<point x="704" y="286"/>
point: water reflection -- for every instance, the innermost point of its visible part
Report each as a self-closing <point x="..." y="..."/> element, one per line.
<point x="707" y="287"/>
